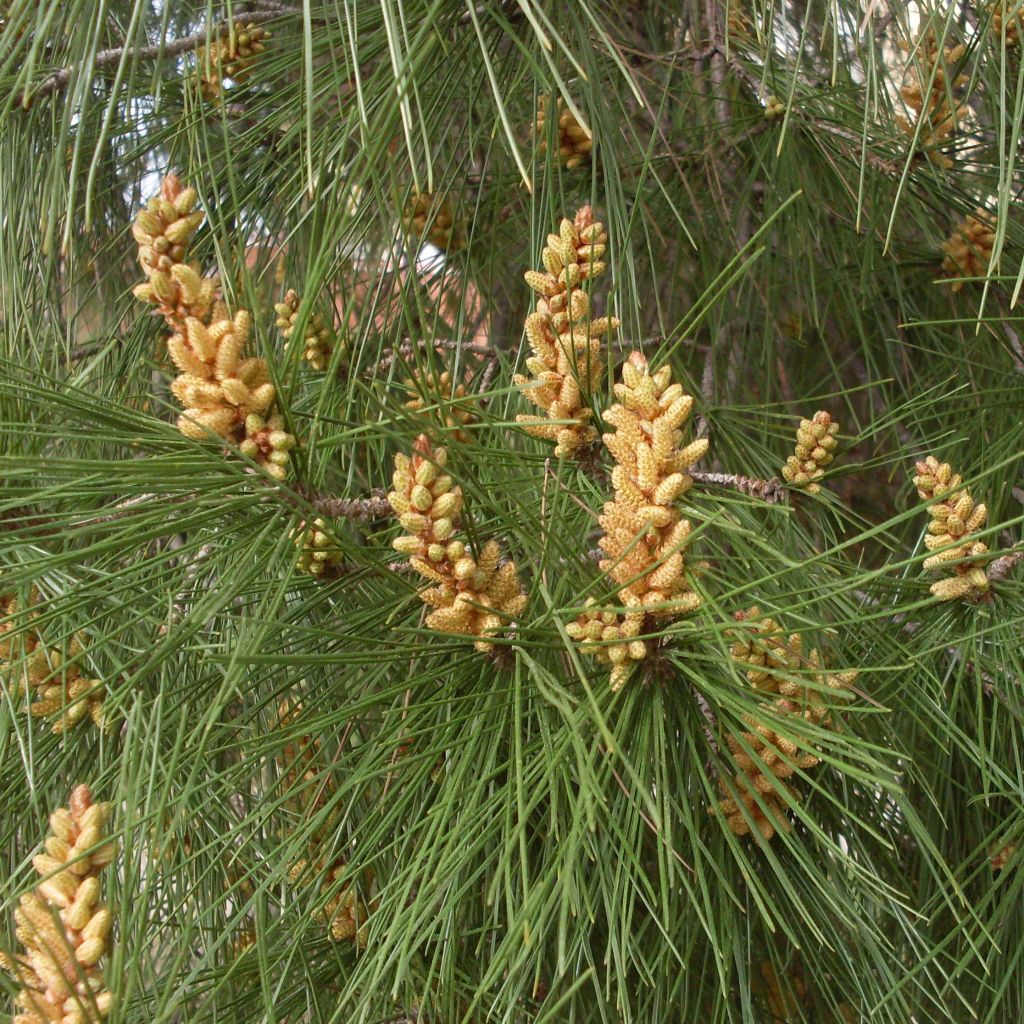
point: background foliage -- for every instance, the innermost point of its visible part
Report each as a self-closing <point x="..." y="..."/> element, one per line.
<point x="535" y="847"/>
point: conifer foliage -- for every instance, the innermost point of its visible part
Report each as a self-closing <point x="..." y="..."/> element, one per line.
<point x="418" y="561"/>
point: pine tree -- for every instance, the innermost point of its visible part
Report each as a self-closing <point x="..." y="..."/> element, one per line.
<point x="511" y="512"/>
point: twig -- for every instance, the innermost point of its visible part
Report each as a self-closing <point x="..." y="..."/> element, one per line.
<point x="717" y="56"/>
<point x="882" y="24"/>
<point x="707" y="390"/>
<point x="406" y="349"/>
<point x="1001" y="567"/>
<point x="707" y="378"/>
<point x="1015" y="347"/>
<point x="772" y="490"/>
<point x="712" y="724"/>
<point x="646" y="818"/>
<point x="124" y="508"/>
<point x="487" y="377"/>
<point x="988" y="683"/>
<point x="106" y="58"/>
<point x="180" y="607"/>
<point x="373" y="507"/>
<point x="888" y="167"/>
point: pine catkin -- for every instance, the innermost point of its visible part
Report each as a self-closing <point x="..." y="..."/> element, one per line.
<point x="939" y="118"/>
<point x="954" y="519"/>
<point x="568" y="358"/>
<point x="320" y="554"/>
<point x="231" y="56"/>
<point x="51" y="679"/>
<point x="788" y="998"/>
<point x="425" y="216"/>
<point x="1002" y="855"/>
<point x="317" y="342"/>
<point x="1006" y="21"/>
<point x="815" y="444"/>
<point x="224" y="392"/>
<point x="574" y="141"/>
<point x="63" y="924"/>
<point x="58" y="690"/>
<point x="777" y="668"/>
<point x="345" y="912"/>
<point x="471" y="595"/>
<point x="968" y="250"/>
<point x="644" y="533"/>
<point x="163" y="231"/>
<point x="305" y="795"/>
<point x="738" y="26"/>
<point x="784" y="996"/>
<point x="17" y="611"/>
<point x="442" y="390"/>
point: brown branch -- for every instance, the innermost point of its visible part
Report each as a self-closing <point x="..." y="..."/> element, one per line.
<point x="889" y="167"/>
<point x="1001" y="567"/>
<point x="124" y="508"/>
<point x="1016" y="348"/>
<point x="643" y="815"/>
<point x="882" y="24"/>
<point x="717" y="56"/>
<point x="373" y="507"/>
<point x="772" y="490"/>
<point x="182" y="606"/>
<point x="406" y="349"/>
<point x="107" y="58"/>
<point x="712" y="724"/>
<point x="988" y="682"/>
<point x="487" y="378"/>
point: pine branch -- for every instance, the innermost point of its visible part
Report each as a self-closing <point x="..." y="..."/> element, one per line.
<point x="172" y="48"/>
<point x="373" y="507"/>
<point x="1000" y="568"/>
<point x="772" y="490"/>
<point x="710" y="726"/>
<point x="180" y="607"/>
<point x="408" y="347"/>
